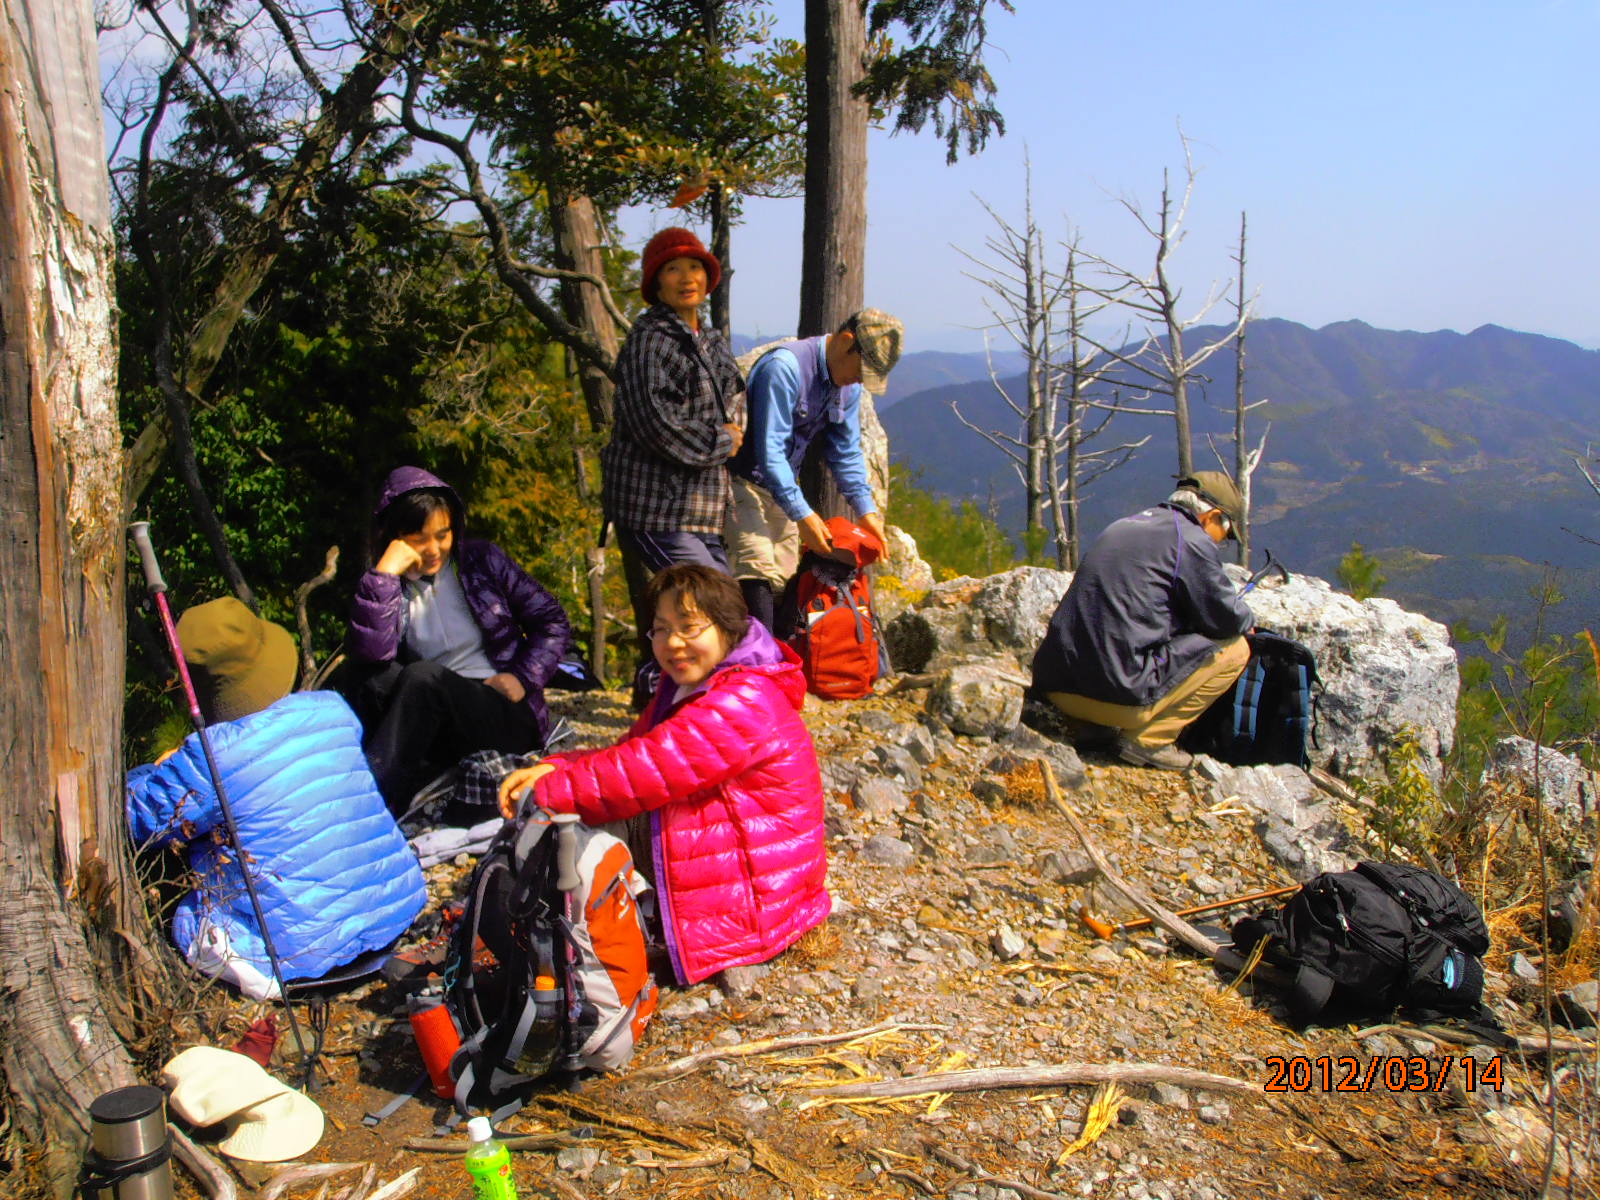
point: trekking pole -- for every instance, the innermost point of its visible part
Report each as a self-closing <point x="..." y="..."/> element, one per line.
<point x="158" y="592"/>
<point x="1261" y="574"/>
<point x="1106" y="930"/>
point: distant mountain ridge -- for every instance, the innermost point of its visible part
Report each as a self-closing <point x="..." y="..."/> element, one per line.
<point x="1447" y="454"/>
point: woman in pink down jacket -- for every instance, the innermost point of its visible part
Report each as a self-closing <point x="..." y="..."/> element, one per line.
<point x="725" y="768"/>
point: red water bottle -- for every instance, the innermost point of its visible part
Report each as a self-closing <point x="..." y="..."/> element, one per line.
<point x="438" y="1039"/>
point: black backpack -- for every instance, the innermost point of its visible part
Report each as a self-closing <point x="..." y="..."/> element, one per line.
<point x="1368" y="941"/>
<point x="1269" y="715"/>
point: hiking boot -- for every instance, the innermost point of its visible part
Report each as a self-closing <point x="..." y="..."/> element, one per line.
<point x="1162" y="758"/>
<point x="413" y="966"/>
<point x="1086" y="735"/>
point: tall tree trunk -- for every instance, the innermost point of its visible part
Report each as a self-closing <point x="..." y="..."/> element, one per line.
<point x="577" y="228"/>
<point x="722" y="247"/>
<point x="833" y="268"/>
<point x="61" y="826"/>
<point x="1242" y="467"/>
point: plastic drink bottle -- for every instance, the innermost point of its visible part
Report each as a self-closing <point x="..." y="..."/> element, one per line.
<point x="544" y="1036"/>
<point x="489" y="1164"/>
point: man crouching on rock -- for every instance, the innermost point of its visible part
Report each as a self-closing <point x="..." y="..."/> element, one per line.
<point x="1150" y="632"/>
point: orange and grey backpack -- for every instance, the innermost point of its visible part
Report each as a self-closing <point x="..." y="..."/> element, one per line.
<point x="547" y="973"/>
<point x="826" y="616"/>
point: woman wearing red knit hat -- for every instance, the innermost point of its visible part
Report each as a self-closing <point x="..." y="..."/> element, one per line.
<point x="679" y="418"/>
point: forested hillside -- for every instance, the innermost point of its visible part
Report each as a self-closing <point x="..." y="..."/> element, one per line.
<point x="1447" y="455"/>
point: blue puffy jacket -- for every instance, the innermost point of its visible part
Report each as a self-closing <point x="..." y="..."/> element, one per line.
<point x="333" y="871"/>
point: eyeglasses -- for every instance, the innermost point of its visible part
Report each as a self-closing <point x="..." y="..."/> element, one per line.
<point x="688" y="633"/>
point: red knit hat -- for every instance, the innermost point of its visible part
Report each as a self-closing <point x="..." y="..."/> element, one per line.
<point x="673" y="242"/>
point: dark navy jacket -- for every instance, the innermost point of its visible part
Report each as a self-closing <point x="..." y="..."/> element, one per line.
<point x="1147" y="606"/>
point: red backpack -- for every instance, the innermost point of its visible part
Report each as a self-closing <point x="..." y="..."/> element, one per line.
<point x="833" y="627"/>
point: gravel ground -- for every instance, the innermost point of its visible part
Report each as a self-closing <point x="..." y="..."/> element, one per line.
<point x="955" y="933"/>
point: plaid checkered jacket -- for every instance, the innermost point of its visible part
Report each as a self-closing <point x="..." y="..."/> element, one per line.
<point x="666" y="464"/>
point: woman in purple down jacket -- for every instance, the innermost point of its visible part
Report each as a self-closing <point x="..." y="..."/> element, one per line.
<point x="451" y="642"/>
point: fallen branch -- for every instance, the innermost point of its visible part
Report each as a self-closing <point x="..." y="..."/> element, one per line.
<point x="1060" y="1075"/>
<point x="295" y="1176"/>
<point x="359" y="1189"/>
<point x="692" y="1062"/>
<point x="526" y="1141"/>
<point x="399" y="1186"/>
<point x="1339" y="789"/>
<point x="208" y="1172"/>
<point x="1523" y="1043"/>
<point x="906" y="683"/>
<point x="711" y="1158"/>
<point x="951" y="1159"/>
<point x="1173" y="924"/>
<point x="911" y="1178"/>
<point x="1223" y="956"/>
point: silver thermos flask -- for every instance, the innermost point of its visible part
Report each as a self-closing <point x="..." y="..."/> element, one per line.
<point x="130" y="1153"/>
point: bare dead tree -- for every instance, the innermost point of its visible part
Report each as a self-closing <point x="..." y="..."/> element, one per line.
<point x="1077" y="421"/>
<point x="1046" y="447"/>
<point x="1245" y="459"/>
<point x="1165" y="365"/>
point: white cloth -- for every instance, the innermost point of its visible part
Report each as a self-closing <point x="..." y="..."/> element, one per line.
<point x="440" y="627"/>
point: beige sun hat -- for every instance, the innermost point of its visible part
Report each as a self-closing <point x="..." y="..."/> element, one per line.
<point x="265" y="1120"/>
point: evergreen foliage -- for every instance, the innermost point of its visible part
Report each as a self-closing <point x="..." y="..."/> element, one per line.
<point x="1361" y="573"/>
<point x="954" y="539"/>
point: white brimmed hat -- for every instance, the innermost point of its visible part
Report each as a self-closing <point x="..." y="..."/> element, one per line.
<point x="265" y="1120"/>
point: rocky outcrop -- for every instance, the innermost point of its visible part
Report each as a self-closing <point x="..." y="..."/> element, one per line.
<point x="974" y="620"/>
<point x="1566" y="786"/>
<point x="1382" y="668"/>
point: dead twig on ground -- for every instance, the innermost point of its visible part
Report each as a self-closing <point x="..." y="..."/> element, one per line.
<point x="904" y="1175"/>
<point x="1138" y="897"/>
<point x="1060" y="1075"/>
<point x="693" y="1062"/>
<point x="208" y="1172"/>
<point x="780" y="1166"/>
<point x="613" y="1119"/>
<point x="906" y="683"/>
<point x="359" y="1189"/>
<point x="951" y="1159"/>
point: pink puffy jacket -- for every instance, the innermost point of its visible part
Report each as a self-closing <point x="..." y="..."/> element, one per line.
<point x="730" y="780"/>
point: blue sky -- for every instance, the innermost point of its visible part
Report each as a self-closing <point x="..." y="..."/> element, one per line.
<point x="1415" y="165"/>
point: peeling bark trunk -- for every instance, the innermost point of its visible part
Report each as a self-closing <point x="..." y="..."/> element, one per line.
<point x="577" y="231"/>
<point x="61" y="615"/>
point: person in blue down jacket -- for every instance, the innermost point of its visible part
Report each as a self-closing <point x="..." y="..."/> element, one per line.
<point x="1151" y="630"/>
<point x="451" y="643"/>
<point x="333" y="872"/>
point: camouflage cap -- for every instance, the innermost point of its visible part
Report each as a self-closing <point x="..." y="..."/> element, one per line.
<point x="878" y="338"/>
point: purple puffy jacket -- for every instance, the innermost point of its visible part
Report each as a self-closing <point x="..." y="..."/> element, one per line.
<point x="729" y="777"/>
<point x="525" y="630"/>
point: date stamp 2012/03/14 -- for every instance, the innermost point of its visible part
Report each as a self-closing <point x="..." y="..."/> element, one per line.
<point x="1380" y="1073"/>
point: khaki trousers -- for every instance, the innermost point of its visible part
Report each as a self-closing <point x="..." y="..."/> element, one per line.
<point x="1160" y="723"/>
<point x="762" y="542"/>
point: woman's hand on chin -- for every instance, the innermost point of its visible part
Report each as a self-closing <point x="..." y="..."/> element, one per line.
<point x="518" y="782"/>
<point x="508" y="686"/>
<point x="399" y="559"/>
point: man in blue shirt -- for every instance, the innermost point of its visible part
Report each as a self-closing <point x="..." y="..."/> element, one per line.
<point x="796" y="393"/>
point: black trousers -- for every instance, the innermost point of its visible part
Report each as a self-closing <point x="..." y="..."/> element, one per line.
<point x="644" y="554"/>
<point x="421" y="718"/>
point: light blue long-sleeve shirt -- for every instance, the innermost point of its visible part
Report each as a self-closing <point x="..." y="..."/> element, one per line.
<point x="792" y="401"/>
